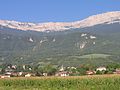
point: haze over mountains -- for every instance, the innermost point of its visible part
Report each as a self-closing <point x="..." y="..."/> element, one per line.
<point x="94" y="40"/>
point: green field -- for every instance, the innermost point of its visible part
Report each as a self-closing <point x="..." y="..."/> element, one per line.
<point x="93" y="56"/>
<point x="102" y="82"/>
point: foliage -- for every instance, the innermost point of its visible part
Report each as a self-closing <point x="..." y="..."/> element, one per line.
<point x="49" y="69"/>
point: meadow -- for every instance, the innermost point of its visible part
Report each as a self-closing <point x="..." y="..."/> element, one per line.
<point x="96" y="82"/>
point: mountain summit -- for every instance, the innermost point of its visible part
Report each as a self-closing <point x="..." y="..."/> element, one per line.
<point x="108" y="18"/>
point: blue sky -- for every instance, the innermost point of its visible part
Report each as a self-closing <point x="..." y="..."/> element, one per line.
<point x="54" y="10"/>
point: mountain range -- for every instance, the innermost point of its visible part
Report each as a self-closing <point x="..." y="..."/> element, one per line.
<point x="110" y="17"/>
<point x="94" y="40"/>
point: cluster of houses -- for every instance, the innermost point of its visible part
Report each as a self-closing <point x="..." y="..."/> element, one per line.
<point x="89" y="72"/>
<point x="92" y="72"/>
<point x="10" y="72"/>
<point x="17" y="74"/>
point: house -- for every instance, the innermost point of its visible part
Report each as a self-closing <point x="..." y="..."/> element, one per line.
<point x="45" y="74"/>
<point x="8" y="73"/>
<point x="117" y="71"/>
<point x="14" y="74"/>
<point x="90" y="72"/>
<point x="5" y="76"/>
<point x="101" y="69"/>
<point x="73" y="67"/>
<point x="62" y="74"/>
<point x="14" y="67"/>
<point x="28" y="75"/>
<point x="20" y="73"/>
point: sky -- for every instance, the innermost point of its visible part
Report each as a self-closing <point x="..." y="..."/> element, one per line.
<point x="54" y="10"/>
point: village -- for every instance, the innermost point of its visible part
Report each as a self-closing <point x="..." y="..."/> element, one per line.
<point x="50" y="70"/>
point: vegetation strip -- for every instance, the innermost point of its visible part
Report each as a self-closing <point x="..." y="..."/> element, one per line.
<point x="95" y="82"/>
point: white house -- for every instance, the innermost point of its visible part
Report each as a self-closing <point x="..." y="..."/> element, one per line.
<point x="45" y="74"/>
<point x="101" y="69"/>
<point x="20" y="73"/>
<point x="28" y="75"/>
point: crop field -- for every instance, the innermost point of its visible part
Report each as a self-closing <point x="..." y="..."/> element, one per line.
<point x="96" y="82"/>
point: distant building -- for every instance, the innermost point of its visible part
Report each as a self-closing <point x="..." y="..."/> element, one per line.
<point x="101" y="69"/>
<point x="20" y="73"/>
<point x="5" y="76"/>
<point x="117" y="71"/>
<point x="62" y="74"/>
<point x="28" y="75"/>
<point x="45" y="74"/>
<point x="90" y="72"/>
<point x="14" y="67"/>
<point x="8" y="73"/>
<point x="73" y="67"/>
<point x="14" y="74"/>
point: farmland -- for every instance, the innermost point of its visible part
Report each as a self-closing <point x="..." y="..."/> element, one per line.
<point x="95" y="82"/>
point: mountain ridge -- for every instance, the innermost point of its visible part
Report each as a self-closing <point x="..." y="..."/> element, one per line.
<point x="108" y="18"/>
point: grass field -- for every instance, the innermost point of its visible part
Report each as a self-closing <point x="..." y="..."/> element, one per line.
<point x="93" y="56"/>
<point x="96" y="82"/>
